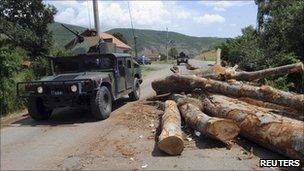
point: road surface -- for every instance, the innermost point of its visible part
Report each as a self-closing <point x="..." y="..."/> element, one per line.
<point x="72" y="140"/>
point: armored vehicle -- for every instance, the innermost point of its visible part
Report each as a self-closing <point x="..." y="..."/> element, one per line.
<point x="182" y="58"/>
<point x="89" y="81"/>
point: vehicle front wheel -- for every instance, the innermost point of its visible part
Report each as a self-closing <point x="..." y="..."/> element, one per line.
<point x="37" y="110"/>
<point x="135" y="94"/>
<point x="101" y="103"/>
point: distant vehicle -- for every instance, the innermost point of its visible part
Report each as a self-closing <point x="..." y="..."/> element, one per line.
<point x="90" y="81"/>
<point x="182" y="58"/>
<point x="143" y="60"/>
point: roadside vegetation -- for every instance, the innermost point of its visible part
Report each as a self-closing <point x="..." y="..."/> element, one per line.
<point x="207" y="55"/>
<point x="24" y="42"/>
<point x="278" y="40"/>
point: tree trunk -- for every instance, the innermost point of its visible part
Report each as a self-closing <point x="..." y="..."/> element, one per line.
<point x="277" y="109"/>
<point x="270" y="72"/>
<point x="216" y="128"/>
<point x="272" y="131"/>
<point x="180" y="83"/>
<point x="230" y="73"/>
<point x="170" y="139"/>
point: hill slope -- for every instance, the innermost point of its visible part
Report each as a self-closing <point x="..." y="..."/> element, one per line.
<point x="147" y="39"/>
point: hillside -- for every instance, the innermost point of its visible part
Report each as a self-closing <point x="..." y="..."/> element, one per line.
<point x="147" y="39"/>
<point x="61" y="36"/>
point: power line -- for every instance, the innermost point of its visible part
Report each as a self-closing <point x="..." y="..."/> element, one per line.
<point x="135" y="47"/>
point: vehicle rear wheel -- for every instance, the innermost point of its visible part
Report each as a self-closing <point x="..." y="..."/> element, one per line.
<point x="135" y="94"/>
<point x="37" y="110"/>
<point x="101" y="103"/>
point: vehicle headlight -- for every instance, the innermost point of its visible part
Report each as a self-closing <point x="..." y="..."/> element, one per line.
<point x="40" y="89"/>
<point x="74" y="88"/>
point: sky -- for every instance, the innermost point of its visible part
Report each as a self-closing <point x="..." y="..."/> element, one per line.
<point x="194" y="18"/>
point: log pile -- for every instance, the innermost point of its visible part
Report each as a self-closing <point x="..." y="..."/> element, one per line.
<point x="223" y="104"/>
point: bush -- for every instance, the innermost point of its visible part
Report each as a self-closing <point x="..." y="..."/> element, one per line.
<point x="10" y="62"/>
<point x="279" y="42"/>
<point x="41" y="67"/>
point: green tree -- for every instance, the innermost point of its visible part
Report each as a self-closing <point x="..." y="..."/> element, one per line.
<point x="120" y="37"/>
<point x="279" y="40"/>
<point x="10" y="62"/>
<point x="25" y="24"/>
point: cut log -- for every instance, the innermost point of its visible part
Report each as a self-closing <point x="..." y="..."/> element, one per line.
<point x="272" y="131"/>
<point x="231" y="73"/>
<point x="257" y="75"/>
<point x="277" y="109"/>
<point x="175" y="69"/>
<point x="180" y="83"/>
<point x="190" y="67"/>
<point x="214" y="127"/>
<point x="170" y="139"/>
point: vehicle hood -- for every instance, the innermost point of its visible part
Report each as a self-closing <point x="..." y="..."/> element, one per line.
<point x="77" y="76"/>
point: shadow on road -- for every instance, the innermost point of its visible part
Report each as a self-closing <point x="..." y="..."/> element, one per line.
<point x="67" y="116"/>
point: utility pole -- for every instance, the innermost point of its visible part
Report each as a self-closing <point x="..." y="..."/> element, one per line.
<point x="96" y="17"/>
<point x="135" y="38"/>
<point x="167" y="45"/>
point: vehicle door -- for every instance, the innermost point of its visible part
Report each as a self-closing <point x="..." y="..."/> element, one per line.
<point x="129" y="73"/>
<point x="121" y="75"/>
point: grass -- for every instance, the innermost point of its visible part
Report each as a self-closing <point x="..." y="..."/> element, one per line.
<point x="208" y="56"/>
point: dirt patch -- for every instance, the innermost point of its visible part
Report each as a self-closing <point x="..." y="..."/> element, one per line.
<point x="126" y="150"/>
<point x="141" y="116"/>
<point x="8" y="120"/>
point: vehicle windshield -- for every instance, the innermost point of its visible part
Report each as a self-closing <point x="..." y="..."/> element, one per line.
<point x="66" y="65"/>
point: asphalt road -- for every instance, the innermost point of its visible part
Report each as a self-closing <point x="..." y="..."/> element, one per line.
<point x="67" y="139"/>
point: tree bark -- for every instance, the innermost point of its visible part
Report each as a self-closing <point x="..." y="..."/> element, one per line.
<point x="272" y="131"/>
<point x="277" y="109"/>
<point x="170" y="139"/>
<point x="230" y="73"/>
<point x="270" y="72"/>
<point x="214" y="127"/>
<point x="180" y="83"/>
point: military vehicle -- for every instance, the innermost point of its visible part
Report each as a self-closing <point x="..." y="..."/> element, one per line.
<point x="182" y="58"/>
<point x="90" y="81"/>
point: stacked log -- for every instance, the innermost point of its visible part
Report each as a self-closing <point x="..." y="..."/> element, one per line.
<point x="277" y="133"/>
<point x="231" y="73"/>
<point x="180" y="83"/>
<point x="170" y="139"/>
<point x="217" y="128"/>
<point x="225" y="106"/>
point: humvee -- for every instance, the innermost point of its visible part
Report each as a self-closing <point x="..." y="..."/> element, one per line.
<point x="89" y="81"/>
<point x="182" y="58"/>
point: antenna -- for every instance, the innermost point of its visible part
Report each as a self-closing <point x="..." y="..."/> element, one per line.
<point x="133" y="32"/>
<point x="89" y="14"/>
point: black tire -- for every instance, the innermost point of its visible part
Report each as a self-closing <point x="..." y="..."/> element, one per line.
<point x="135" y="94"/>
<point x="37" y="110"/>
<point x="101" y="103"/>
